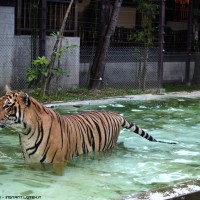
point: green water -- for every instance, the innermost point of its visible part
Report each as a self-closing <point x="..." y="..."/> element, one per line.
<point x="134" y="166"/>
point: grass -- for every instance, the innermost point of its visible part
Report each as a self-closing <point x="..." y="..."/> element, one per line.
<point x="178" y="87"/>
<point x="79" y="94"/>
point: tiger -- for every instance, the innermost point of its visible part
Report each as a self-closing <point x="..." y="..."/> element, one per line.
<point x="46" y="136"/>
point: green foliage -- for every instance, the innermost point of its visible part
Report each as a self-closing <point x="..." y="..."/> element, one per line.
<point x="145" y="36"/>
<point x="147" y="7"/>
<point x="38" y="68"/>
<point x="86" y="94"/>
<point x="54" y="34"/>
<point x="41" y="65"/>
<point x="39" y="71"/>
<point x="31" y="74"/>
<point x="42" y="61"/>
<point x="63" y="50"/>
<point x="179" y="87"/>
<point x="56" y="72"/>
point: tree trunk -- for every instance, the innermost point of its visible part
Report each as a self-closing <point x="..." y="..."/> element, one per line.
<point x="47" y="79"/>
<point x="104" y="21"/>
<point x="98" y="66"/>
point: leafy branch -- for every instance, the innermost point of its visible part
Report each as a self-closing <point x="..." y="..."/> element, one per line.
<point x="39" y="70"/>
<point x="44" y="70"/>
<point x="145" y="36"/>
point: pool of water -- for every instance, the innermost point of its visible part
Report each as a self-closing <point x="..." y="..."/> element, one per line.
<point x="135" y="165"/>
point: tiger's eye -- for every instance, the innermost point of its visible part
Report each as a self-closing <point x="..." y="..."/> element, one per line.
<point x="5" y="106"/>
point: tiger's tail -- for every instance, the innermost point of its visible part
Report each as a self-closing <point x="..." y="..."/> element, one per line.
<point x="129" y="125"/>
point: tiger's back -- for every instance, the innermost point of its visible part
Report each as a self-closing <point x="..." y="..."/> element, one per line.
<point x="92" y="131"/>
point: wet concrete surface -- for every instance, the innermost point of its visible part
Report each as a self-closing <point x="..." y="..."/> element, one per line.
<point x="182" y="191"/>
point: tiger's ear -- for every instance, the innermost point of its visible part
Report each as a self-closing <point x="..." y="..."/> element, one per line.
<point x="7" y="89"/>
<point x="25" y="98"/>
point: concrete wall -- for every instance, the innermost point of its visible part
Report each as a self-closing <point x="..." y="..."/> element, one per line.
<point x="6" y="44"/>
<point x="127" y="73"/>
<point x="175" y="71"/>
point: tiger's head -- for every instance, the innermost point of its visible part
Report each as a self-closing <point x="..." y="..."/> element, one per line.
<point x="12" y="105"/>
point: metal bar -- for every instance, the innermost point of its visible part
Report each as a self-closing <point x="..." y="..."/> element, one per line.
<point x="19" y="17"/>
<point x="55" y="16"/>
<point x="161" y="43"/>
<point x="189" y="43"/>
<point x="31" y="15"/>
<point x="49" y="15"/>
<point x="60" y="10"/>
<point x="24" y="14"/>
<point x="76" y="19"/>
<point x="42" y="32"/>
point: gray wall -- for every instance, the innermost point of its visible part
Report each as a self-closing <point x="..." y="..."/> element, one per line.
<point x="126" y="73"/>
<point x="175" y="71"/>
<point x="6" y="44"/>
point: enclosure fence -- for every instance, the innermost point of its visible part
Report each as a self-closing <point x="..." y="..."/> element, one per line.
<point x="124" y="68"/>
<point x="128" y="64"/>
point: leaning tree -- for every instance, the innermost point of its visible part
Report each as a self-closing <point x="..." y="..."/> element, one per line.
<point x="107" y="28"/>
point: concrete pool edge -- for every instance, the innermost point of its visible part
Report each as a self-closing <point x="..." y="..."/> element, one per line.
<point x="194" y="94"/>
<point x="187" y="190"/>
